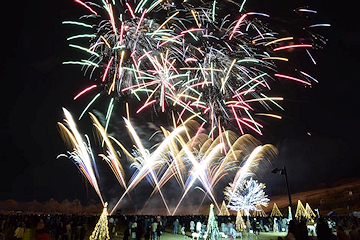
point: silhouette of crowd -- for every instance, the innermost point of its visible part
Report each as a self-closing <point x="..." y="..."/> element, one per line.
<point x="79" y="227"/>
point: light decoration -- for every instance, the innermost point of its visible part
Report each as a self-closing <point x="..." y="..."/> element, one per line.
<point x="309" y="212"/>
<point x="212" y="229"/>
<point x="224" y="211"/>
<point x="246" y="196"/>
<point x="300" y="211"/>
<point x="101" y="230"/>
<point x="275" y="212"/>
<point x="239" y="222"/>
<point x="259" y="212"/>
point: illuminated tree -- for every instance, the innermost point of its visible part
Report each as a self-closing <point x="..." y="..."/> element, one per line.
<point x="212" y="230"/>
<point x="101" y="230"/>
<point x="259" y="212"/>
<point x="224" y="211"/>
<point x="309" y="212"/>
<point x="300" y="211"/>
<point x="275" y="212"/>
<point x="239" y="223"/>
<point x="246" y="196"/>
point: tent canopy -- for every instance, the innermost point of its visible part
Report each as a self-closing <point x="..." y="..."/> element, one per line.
<point x="332" y="214"/>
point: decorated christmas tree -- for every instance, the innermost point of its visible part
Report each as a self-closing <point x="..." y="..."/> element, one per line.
<point x="259" y="212"/>
<point x="309" y="212"/>
<point x="101" y="230"/>
<point x="240" y="224"/>
<point x="224" y="211"/>
<point x="212" y="230"/>
<point x="275" y="212"/>
<point x="300" y="211"/>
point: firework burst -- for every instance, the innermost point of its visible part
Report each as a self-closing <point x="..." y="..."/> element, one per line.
<point x="198" y="61"/>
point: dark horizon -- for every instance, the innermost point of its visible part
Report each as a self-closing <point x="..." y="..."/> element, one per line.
<point x="326" y="200"/>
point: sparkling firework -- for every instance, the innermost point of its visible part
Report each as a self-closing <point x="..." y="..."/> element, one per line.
<point x="81" y="152"/>
<point x="186" y="155"/>
<point x="190" y="59"/>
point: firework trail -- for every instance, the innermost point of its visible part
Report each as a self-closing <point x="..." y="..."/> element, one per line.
<point x="205" y="160"/>
<point x="199" y="172"/>
<point x="147" y="162"/>
<point x="111" y="157"/>
<point x="81" y="152"/>
<point x="186" y="155"/>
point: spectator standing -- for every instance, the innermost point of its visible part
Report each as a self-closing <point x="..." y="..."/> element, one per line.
<point x="40" y="231"/>
<point x="153" y="230"/>
<point x="158" y="231"/>
<point x="303" y="232"/>
<point x="198" y="226"/>
<point x="253" y="225"/>
<point x="292" y="232"/>
<point x="126" y="232"/>
<point x="40" y="227"/>
<point x="284" y="225"/>
<point x="248" y="225"/>
<point x="275" y="226"/>
<point x="83" y="232"/>
<point x="111" y="225"/>
<point x="323" y="231"/>
<point x="19" y="231"/>
<point x="147" y="233"/>
<point x="223" y="228"/>
<point x="257" y="227"/>
<point x="133" y="230"/>
<point x="58" y="230"/>
<point x="341" y="234"/>
<point x="176" y="226"/>
<point x="68" y="231"/>
<point x="354" y="234"/>
<point x="192" y="226"/>
<point x="139" y="231"/>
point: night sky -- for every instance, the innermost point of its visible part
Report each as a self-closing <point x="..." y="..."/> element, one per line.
<point x="36" y="86"/>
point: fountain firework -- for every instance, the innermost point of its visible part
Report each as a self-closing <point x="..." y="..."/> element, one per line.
<point x="189" y="157"/>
